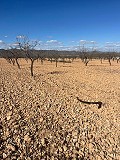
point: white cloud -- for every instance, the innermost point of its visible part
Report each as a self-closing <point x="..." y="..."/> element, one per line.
<point x="109" y="42"/>
<point x="1" y="42"/>
<point x="52" y="41"/>
<point x="93" y="42"/>
<point x="40" y="41"/>
<point x="21" y="37"/>
<point x="15" y="44"/>
<point x="83" y="41"/>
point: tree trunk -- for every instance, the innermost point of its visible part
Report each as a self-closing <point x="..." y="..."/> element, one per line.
<point x="86" y="62"/>
<point x="8" y="60"/>
<point x="56" y="62"/>
<point x="63" y="60"/>
<point x="109" y="61"/>
<point x="51" y="60"/>
<point x="17" y="63"/>
<point x="31" y="67"/>
<point x="26" y="60"/>
<point x="13" y="61"/>
<point x="41" y="61"/>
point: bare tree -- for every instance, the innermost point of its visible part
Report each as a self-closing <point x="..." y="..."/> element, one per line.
<point x="11" y="54"/>
<point x="15" y="56"/>
<point x="28" y="47"/>
<point x="83" y="51"/>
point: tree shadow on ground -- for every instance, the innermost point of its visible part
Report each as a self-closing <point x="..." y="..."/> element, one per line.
<point x="56" y="72"/>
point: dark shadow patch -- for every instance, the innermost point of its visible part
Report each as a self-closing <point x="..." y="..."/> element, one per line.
<point x="66" y="66"/>
<point x="86" y="102"/>
<point x="56" y="72"/>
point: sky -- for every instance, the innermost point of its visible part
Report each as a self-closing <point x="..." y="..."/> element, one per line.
<point x="61" y="23"/>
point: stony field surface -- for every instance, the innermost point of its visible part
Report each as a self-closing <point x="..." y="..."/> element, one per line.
<point x="42" y="119"/>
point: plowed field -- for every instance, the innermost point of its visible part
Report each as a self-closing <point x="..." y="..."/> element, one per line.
<point x="41" y="117"/>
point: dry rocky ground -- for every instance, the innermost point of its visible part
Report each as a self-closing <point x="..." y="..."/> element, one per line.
<point x="42" y="119"/>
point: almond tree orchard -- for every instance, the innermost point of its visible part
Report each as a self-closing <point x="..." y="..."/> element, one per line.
<point x="65" y="111"/>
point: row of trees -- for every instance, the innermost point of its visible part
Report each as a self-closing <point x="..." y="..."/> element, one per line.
<point x="24" y="48"/>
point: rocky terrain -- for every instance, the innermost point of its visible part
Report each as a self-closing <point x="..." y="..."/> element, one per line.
<point x="42" y="119"/>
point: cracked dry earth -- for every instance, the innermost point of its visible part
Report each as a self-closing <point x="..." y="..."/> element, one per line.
<point x="41" y="118"/>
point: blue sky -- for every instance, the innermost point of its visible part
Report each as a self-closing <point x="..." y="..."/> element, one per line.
<point x="63" y="22"/>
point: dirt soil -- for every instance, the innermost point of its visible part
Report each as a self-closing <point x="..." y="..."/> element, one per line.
<point x="41" y="117"/>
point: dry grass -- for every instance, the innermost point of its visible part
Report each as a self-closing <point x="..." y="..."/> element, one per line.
<point x="41" y="118"/>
